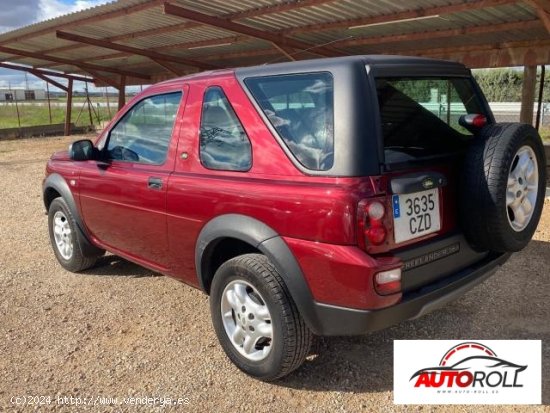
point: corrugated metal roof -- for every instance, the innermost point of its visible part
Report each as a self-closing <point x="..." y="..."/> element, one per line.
<point x="143" y="25"/>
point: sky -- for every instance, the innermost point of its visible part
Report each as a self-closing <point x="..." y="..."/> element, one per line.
<point x="19" y="13"/>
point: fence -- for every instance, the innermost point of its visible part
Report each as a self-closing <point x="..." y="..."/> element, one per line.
<point x="509" y="112"/>
<point x="87" y="112"/>
<point x="54" y="129"/>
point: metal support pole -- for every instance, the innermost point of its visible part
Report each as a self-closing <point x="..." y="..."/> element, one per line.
<point x="108" y="105"/>
<point x="14" y="98"/>
<point x="49" y="105"/>
<point x="528" y="94"/>
<point x="97" y="114"/>
<point x="17" y="108"/>
<point x="69" y="108"/>
<point x="541" y="95"/>
<point x="89" y="106"/>
<point x="80" y="113"/>
<point x="122" y="92"/>
<point x="448" y="102"/>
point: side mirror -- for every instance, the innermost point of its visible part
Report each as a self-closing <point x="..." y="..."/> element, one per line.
<point x="82" y="150"/>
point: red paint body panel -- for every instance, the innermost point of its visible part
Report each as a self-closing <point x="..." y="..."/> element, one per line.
<point x="342" y="275"/>
<point x="137" y="219"/>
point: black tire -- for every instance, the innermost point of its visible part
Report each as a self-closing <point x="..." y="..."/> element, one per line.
<point x="292" y="338"/>
<point x="484" y="215"/>
<point x="77" y="261"/>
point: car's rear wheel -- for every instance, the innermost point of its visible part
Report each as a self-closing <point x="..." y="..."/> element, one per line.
<point x="502" y="188"/>
<point x="246" y="320"/>
<point x="255" y="319"/>
<point x="64" y="238"/>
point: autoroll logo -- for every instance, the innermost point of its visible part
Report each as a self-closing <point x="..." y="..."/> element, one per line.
<point x="467" y="372"/>
<point x="470" y="365"/>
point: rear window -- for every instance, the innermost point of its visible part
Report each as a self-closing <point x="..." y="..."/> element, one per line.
<point x="300" y="108"/>
<point x="420" y="116"/>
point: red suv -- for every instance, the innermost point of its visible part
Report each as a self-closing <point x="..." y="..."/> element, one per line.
<point x="330" y="197"/>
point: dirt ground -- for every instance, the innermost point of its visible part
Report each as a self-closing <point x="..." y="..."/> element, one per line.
<point x="119" y="330"/>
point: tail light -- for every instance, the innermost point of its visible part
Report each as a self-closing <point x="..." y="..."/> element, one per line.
<point x="388" y="282"/>
<point x="472" y="121"/>
<point x="371" y="227"/>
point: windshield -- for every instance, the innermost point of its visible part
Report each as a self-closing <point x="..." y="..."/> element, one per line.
<point x="420" y="116"/>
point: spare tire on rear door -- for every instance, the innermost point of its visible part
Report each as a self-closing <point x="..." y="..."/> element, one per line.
<point x="502" y="187"/>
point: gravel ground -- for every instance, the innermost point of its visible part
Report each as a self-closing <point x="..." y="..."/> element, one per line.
<point x="119" y="330"/>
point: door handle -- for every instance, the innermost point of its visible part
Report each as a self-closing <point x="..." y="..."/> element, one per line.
<point x="154" y="183"/>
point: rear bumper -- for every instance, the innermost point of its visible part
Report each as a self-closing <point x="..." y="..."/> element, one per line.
<point x="333" y="320"/>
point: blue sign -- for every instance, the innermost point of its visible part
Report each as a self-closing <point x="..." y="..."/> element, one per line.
<point x="395" y="203"/>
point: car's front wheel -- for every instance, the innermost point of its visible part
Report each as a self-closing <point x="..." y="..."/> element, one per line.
<point x="64" y="238"/>
<point x="256" y="320"/>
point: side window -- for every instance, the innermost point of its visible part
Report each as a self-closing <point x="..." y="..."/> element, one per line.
<point x="301" y="109"/>
<point x="223" y="141"/>
<point x="143" y="134"/>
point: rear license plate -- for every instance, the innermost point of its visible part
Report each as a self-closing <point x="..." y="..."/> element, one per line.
<point x="415" y="215"/>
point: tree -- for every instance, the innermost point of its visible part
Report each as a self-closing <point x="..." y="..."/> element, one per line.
<point x="504" y="85"/>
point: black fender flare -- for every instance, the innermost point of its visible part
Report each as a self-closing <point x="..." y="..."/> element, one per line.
<point x="59" y="184"/>
<point x="268" y="242"/>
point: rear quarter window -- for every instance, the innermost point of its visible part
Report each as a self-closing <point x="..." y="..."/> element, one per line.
<point x="224" y="144"/>
<point x="300" y="107"/>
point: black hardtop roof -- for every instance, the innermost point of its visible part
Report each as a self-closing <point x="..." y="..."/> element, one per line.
<point x="382" y="64"/>
<point x="379" y="63"/>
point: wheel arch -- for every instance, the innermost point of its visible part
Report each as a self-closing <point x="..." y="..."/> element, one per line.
<point x="253" y="236"/>
<point x="56" y="186"/>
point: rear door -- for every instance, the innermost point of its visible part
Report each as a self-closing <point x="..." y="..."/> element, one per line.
<point x="123" y="197"/>
<point x="423" y="146"/>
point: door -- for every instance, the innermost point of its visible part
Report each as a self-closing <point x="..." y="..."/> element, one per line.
<point x="123" y="196"/>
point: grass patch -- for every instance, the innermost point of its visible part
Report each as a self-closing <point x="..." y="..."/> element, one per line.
<point x="37" y="114"/>
<point x="545" y="134"/>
